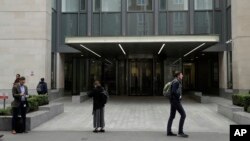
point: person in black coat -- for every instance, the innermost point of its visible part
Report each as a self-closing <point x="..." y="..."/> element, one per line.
<point x="99" y="96"/>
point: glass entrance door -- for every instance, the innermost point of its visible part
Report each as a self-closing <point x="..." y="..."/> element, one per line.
<point x="141" y="77"/>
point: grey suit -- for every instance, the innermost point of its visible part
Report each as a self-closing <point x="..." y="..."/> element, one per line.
<point x="19" y="105"/>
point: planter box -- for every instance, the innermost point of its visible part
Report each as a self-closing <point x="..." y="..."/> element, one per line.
<point x="34" y="119"/>
<point x="76" y="99"/>
<point x="241" y="117"/>
<point x="228" y="110"/>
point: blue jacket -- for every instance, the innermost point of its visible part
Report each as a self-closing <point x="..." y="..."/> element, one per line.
<point x="176" y="91"/>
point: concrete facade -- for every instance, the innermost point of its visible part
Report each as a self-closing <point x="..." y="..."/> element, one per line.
<point x="25" y="42"/>
<point x="240" y="44"/>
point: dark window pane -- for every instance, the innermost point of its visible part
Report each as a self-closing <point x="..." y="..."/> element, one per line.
<point x="228" y="2"/>
<point x="53" y="4"/>
<point x="96" y="5"/>
<point x="229" y="24"/>
<point x="140" y="24"/>
<point x="149" y="25"/>
<point x="217" y="4"/>
<point x="111" y="24"/>
<point x="139" y="5"/>
<point x="83" y="25"/>
<point x="163" y="5"/>
<point x="83" y="5"/>
<point x="70" y="5"/>
<point x="136" y="24"/>
<point x="203" y="4"/>
<point x="111" y="5"/>
<point x="69" y="26"/>
<point x="163" y="24"/>
<point x="179" y="23"/>
<point x="177" y="5"/>
<point x="218" y="23"/>
<point x="203" y="23"/>
<point x="53" y="30"/>
<point x="96" y="25"/>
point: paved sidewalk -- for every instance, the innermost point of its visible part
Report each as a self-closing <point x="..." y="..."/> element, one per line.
<point x="111" y="136"/>
<point x="138" y="114"/>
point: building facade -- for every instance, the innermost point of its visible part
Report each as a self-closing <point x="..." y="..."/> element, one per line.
<point x="132" y="46"/>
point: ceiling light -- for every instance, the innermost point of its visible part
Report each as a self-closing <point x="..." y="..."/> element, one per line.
<point x="194" y="49"/>
<point x="108" y="61"/>
<point x="163" y="45"/>
<point x="90" y="50"/>
<point x="122" y="49"/>
<point x="176" y="61"/>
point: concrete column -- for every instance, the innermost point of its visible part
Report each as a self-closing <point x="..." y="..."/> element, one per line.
<point x="223" y="70"/>
<point x="25" y="42"/>
<point x="240" y="44"/>
<point x="60" y="71"/>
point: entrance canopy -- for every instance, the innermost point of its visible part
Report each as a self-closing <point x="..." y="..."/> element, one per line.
<point x="170" y="46"/>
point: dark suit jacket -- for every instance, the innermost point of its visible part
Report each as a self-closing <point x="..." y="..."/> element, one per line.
<point x="16" y="92"/>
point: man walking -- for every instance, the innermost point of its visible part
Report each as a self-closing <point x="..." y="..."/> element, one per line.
<point x="20" y="104"/>
<point x="175" y="101"/>
<point x="42" y="87"/>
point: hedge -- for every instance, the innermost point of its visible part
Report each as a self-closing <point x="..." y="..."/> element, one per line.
<point x="34" y="102"/>
<point x="242" y="100"/>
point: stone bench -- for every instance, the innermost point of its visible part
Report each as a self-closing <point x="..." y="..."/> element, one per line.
<point x="241" y="117"/>
<point x="76" y="99"/>
<point x="197" y="96"/>
<point x="228" y="110"/>
<point x="36" y="118"/>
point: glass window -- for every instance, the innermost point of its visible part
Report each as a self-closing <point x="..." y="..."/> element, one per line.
<point x="217" y="4"/>
<point x="163" y="5"/>
<point x="203" y="4"/>
<point x="177" y="5"/>
<point x="111" y="5"/>
<point x="70" y="5"/>
<point x="83" y="25"/>
<point x="96" y="25"/>
<point x="218" y="23"/>
<point x="149" y="25"/>
<point x="82" y="5"/>
<point x="111" y="24"/>
<point x="228" y="2"/>
<point x="162" y="24"/>
<point x="179" y="22"/>
<point x="203" y="23"/>
<point x="136" y="24"/>
<point x="139" y="5"/>
<point x="96" y="5"/>
<point x="69" y="26"/>
<point x="229" y="24"/>
<point x="53" y="4"/>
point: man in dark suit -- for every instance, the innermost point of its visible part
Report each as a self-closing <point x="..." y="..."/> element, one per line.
<point x="20" y="104"/>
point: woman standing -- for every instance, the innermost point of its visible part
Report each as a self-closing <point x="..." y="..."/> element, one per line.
<point x="99" y="95"/>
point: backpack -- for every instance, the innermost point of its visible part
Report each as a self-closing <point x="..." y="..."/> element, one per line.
<point x="167" y="89"/>
<point x="105" y="97"/>
<point x="39" y="87"/>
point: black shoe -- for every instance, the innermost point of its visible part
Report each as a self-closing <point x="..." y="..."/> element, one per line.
<point x="183" y="135"/>
<point x="102" y="130"/>
<point x="95" y="131"/>
<point x="1" y="136"/>
<point x="171" y="134"/>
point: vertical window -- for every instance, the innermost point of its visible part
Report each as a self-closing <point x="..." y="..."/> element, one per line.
<point x="69" y="26"/>
<point x="203" y="23"/>
<point x="179" y="23"/>
<point x="82" y="5"/>
<point x="203" y="4"/>
<point x="70" y="5"/>
<point x="163" y="23"/>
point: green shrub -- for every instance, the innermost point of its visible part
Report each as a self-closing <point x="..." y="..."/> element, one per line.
<point x="33" y="104"/>
<point x="242" y="100"/>
<point x="5" y="112"/>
